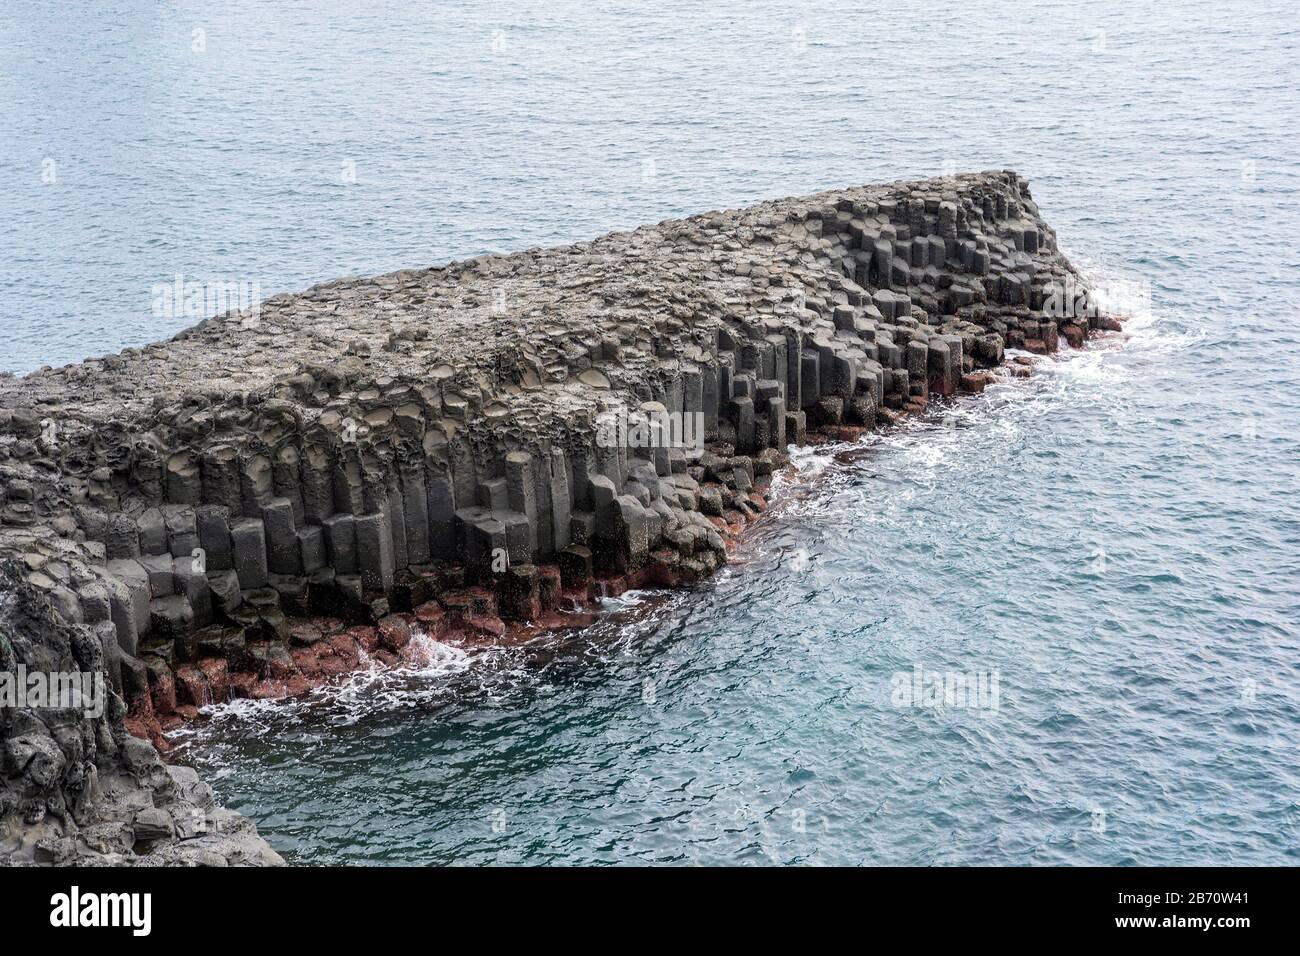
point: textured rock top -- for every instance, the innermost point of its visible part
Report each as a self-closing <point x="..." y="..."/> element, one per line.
<point x="524" y="321"/>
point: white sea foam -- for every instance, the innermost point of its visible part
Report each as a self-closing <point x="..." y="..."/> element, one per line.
<point x="812" y="460"/>
<point x="627" y="600"/>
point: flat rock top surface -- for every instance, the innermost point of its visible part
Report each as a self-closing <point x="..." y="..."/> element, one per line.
<point x="525" y="318"/>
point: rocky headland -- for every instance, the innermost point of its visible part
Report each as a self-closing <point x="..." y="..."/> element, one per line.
<point x="275" y="496"/>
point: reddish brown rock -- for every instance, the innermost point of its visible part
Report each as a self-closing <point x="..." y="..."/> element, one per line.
<point x="162" y="690"/>
<point x="431" y="617"/>
<point x="395" y="632"/>
<point x="548" y="586"/>
<point x="976" y="382"/>
<point x="217" y="674"/>
<point x="192" y="687"/>
<point x="365" y="637"/>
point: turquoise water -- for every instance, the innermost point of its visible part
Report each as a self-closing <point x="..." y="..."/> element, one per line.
<point x="1117" y="538"/>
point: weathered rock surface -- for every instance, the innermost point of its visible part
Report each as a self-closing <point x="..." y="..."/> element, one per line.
<point x="80" y="790"/>
<point x="244" y="509"/>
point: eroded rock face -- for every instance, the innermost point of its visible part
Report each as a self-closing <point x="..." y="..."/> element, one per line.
<point x="75" y="788"/>
<point x="429" y="448"/>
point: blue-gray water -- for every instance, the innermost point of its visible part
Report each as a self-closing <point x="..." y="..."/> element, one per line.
<point x="1118" y="538"/>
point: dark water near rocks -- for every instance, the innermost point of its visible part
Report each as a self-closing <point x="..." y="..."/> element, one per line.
<point x="1117" y="538"/>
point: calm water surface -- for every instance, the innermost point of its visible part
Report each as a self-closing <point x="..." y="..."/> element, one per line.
<point x="1117" y="538"/>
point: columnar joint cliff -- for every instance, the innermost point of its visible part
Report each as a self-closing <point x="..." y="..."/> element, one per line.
<point x="237" y="510"/>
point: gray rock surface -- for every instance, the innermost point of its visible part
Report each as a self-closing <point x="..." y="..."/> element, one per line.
<point x="374" y="443"/>
<point x="80" y="790"/>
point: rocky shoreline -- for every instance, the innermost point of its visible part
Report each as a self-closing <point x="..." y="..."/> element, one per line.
<point x="309" y="652"/>
<point x="274" y="497"/>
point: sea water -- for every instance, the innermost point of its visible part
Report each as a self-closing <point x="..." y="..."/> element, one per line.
<point x="1054" y="623"/>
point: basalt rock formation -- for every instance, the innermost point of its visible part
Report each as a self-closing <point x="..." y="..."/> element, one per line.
<point x="270" y="495"/>
<point x="79" y="789"/>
